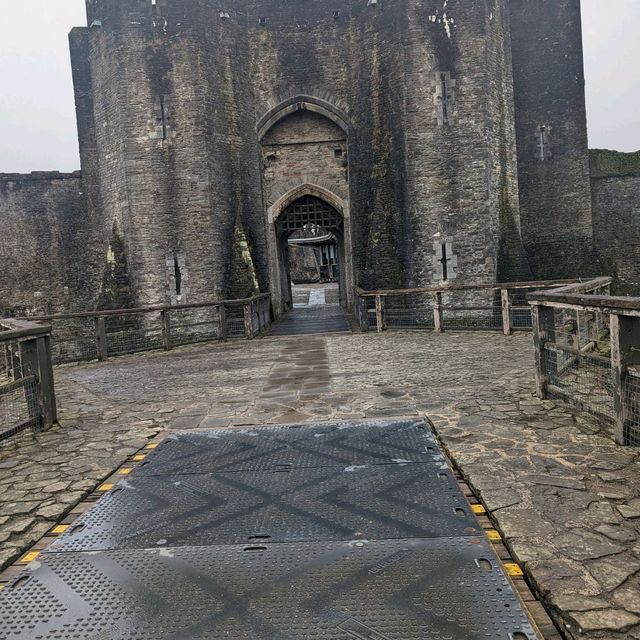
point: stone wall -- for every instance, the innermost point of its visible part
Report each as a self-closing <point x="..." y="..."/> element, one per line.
<point x="178" y="87"/>
<point x="304" y="146"/>
<point x="45" y="246"/>
<point x="406" y="114"/>
<point x="615" y="182"/>
<point x="551" y="128"/>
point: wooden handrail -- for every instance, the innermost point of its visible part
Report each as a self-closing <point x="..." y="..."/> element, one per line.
<point x="578" y="297"/>
<point x="145" y="309"/>
<point x="472" y="287"/>
<point x="17" y="329"/>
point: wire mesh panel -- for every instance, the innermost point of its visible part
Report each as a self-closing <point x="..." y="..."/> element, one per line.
<point x="472" y="310"/>
<point x="20" y="409"/>
<point x="631" y="407"/>
<point x="585" y="378"/>
<point x="73" y="340"/>
<point x="408" y="311"/>
<point x="577" y="360"/>
<point x="130" y="333"/>
<point x="5" y="363"/>
<point x="520" y="317"/>
<point x="189" y="326"/>
<point x="520" y="311"/>
<point x="235" y="320"/>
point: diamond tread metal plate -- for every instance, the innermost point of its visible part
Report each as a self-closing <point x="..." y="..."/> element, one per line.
<point x="435" y="589"/>
<point x="380" y="501"/>
<point x="297" y="446"/>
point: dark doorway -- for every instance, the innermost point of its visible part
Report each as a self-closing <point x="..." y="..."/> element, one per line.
<point x="310" y="235"/>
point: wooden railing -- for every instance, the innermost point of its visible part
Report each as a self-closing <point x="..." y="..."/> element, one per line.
<point x="89" y="335"/>
<point x="501" y="307"/>
<point x="27" y="394"/>
<point x="587" y="349"/>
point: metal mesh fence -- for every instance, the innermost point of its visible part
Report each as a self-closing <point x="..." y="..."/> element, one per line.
<point x="78" y="338"/>
<point x="189" y="326"/>
<point x="472" y="310"/>
<point x="235" y="320"/>
<point x="479" y="309"/>
<point x="131" y="333"/>
<point x="405" y="311"/>
<point x="73" y="340"/>
<point x="521" y="317"/>
<point x="583" y="378"/>
<point x="631" y="408"/>
<point x="20" y="410"/>
<point x="577" y="361"/>
<point x="5" y="363"/>
<point x="520" y="309"/>
<point x="483" y="310"/>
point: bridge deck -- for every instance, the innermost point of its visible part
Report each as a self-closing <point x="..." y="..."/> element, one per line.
<point x="306" y="320"/>
<point x="333" y="530"/>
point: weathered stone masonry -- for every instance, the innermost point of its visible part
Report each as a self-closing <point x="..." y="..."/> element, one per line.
<point x="551" y="134"/>
<point x="45" y="247"/>
<point x="615" y="184"/>
<point x="424" y="123"/>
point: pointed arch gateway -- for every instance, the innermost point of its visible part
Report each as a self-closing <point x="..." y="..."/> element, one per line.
<point x="303" y="102"/>
<point x="308" y="204"/>
<point x="304" y="145"/>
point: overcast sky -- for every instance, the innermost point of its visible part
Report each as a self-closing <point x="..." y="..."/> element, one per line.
<point x="37" y="118"/>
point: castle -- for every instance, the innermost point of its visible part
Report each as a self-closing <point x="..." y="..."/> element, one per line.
<point x="436" y="140"/>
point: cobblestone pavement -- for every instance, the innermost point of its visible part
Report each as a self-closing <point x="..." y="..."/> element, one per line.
<point x="565" y="497"/>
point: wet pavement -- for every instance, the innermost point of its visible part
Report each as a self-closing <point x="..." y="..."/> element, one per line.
<point x="566" y="499"/>
<point x="328" y="530"/>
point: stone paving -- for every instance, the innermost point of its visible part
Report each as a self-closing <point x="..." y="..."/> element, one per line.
<point x="565" y="497"/>
<point x="315" y="294"/>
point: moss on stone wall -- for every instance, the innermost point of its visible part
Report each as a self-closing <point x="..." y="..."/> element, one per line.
<point x="244" y="282"/>
<point x="605" y="163"/>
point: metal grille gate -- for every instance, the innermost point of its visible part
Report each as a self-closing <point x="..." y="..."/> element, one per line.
<point x="325" y="532"/>
<point x="308" y="211"/>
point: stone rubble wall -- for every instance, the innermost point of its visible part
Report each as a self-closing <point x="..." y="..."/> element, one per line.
<point x="180" y="187"/>
<point x="170" y="94"/>
<point x="615" y="183"/>
<point x="555" y="195"/>
<point x="45" y="244"/>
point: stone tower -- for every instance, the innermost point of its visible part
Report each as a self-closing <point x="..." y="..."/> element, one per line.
<point x="436" y="139"/>
<point x="551" y="133"/>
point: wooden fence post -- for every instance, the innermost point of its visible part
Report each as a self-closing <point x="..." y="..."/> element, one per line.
<point x="222" y="318"/>
<point x="437" y="312"/>
<point x="364" y="314"/>
<point x="36" y="360"/>
<point x="265" y="312"/>
<point x="247" y="311"/>
<point x="379" y="314"/>
<point x="542" y="320"/>
<point x="166" y="329"/>
<point x="101" y="338"/>
<point x="46" y="384"/>
<point x="506" y="312"/>
<point x="625" y="346"/>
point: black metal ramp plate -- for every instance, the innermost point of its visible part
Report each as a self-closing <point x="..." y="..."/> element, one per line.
<point x="436" y="589"/>
<point x="381" y="501"/>
<point x="296" y="446"/>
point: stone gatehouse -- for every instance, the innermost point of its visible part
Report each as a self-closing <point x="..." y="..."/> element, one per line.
<point x="433" y="139"/>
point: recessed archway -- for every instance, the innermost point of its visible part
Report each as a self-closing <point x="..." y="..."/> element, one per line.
<point x="300" y="103"/>
<point x="308" y="207"/>
<point x="305" y="176"/>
